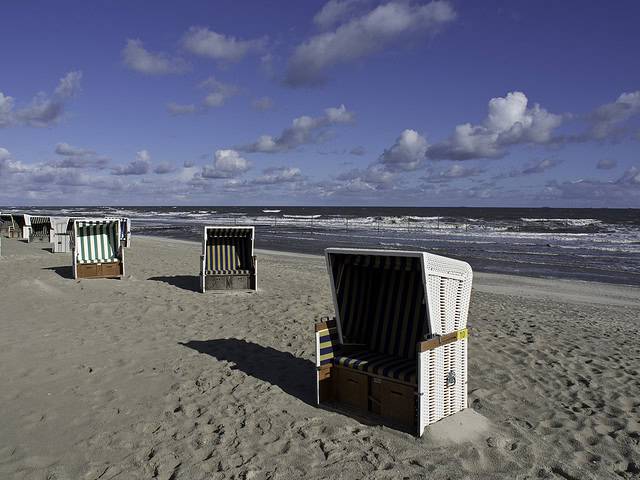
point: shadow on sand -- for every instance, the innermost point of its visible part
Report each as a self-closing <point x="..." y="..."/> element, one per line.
<point x="292" y="374"/>
<point x="185" y="282"/>
<point x="65" y="271"/>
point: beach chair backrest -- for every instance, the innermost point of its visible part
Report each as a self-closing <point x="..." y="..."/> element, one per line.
<point x="96" y="241"/>
<point x="380" y="301"/>
<point x="228" y="250"/>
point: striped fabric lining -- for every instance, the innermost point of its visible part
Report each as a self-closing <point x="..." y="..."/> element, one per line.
<point x="228" y="255"/>
<point x="381" y="302"/>
<point x="39" y="220"/>
<point x="97" y="242"/>
<point x="328" y="338"/>
<point x="398" y="368"/>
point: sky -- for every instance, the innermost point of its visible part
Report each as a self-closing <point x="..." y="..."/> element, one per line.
<point x="338" y="102"/>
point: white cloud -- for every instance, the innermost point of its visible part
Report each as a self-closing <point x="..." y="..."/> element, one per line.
<point x="137" y="58"/>
<point x="176" y="109"/>
<point x="77" y="157"/>
<point x="140" y="166"/>
<point x="303" y="130"/>
<point x="278" y="175"/>
<point x="509" y="121"/>
<point x="70" y="151"/>
<point x="6" y="110"/>
<point x="454" y="172"/>
<point x="69" y="85"/>
<point x="263" y="103"/>
<point x="218" y="92"/>
<point x="163" y="168"/>
<point x="333" y="12"/>
<point x="207" y="43"/>
<point x="226" y="164"/>
<point x="407" y="153"/>
<point x="605" y="120"/>
<point x="359" y="37"/>
<point x="44" y="110"/>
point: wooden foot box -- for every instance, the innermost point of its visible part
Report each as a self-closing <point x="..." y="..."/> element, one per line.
<point x="99" y="270"/>
<point x="229" y="282"/>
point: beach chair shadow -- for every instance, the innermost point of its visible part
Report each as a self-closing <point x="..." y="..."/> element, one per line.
<point x="65" y="271"/>
<point x="292" y="374"/>
<point x="185" y="282"/>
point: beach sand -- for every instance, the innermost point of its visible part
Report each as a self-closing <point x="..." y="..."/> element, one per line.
<point x="146" y="378"/>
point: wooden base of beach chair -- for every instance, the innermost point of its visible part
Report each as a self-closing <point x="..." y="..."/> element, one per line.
<point x="100" y="270"/>
<point x="230" y="282"/>
<point x="390" y="400"/>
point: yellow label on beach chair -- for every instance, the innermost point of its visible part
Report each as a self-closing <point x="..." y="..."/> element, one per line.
<point x="462" y="334"/>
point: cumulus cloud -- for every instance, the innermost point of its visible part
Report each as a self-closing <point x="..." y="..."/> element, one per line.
<point x="510" y="121"/>
<point x="163" y="168"/>
<point x="141" y="60"/>
<point x="6" y="110"/>
<point x="207" y="43"/>
<point x="140" y="166"/>
<point x="226" y="164"/>
<point x="8" y="164"/>
<point x="606" y="164"/>
<point x="407" y="153"/>
<point x="278" y="175"/>
<point x="263" y="103"/>
<point x="176" y="109"/>
<point x="218" y="92"/>
<point x="44" y="110"/>
<point x="188" y="163"/>
<point x="77" y="157"/>
<point x="334" y="12"/>
<point x="362" y="36"/>
<point x="303" y="130"/>
<point x="623" y="190"/>
<point x="606" y="120"/>
<point x="530" y="168"/>
<point x="454" y="172"/>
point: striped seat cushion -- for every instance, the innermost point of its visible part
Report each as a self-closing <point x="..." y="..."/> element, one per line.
<point x="228" y="272"/>
<point x="97" y="242"/>
<point x="397" y="368"/>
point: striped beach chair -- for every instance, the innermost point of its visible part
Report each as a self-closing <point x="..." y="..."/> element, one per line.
<point x="96" y="248"/>
<point x="227" y="261"/>
<point x="40" y="228"/>
<point x="398" y="345"/>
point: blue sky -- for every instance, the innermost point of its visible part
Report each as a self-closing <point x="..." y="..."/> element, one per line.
<point x="355" y="102"/>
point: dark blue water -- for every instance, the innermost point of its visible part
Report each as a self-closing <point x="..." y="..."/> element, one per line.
<point x="585" y="244"/>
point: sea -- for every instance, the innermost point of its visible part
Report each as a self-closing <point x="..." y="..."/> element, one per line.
<point x="570" y="243"/>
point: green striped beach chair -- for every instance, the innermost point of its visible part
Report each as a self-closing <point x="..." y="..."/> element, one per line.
<point x="397" y="347"/>
<point x="227" y="261"/>
<point x="96" y="248"/>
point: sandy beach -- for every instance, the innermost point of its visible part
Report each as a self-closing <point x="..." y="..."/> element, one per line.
<point x="145" y="378"/>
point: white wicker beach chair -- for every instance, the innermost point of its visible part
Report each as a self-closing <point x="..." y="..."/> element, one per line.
<point x="227" y="261"/>
<point x="96" y="248"/>
<point x="397" y="346"/>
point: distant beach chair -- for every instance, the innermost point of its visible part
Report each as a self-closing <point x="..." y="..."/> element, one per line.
<point x="227" y="261"/>
<point x="60" y="234"/>
<point x="40" y="228"/>
<point x="398" y="344"/>
<point x="96" y="247"/>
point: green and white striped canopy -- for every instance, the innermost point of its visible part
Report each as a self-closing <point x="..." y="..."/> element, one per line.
<point x="97" y="241"/>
